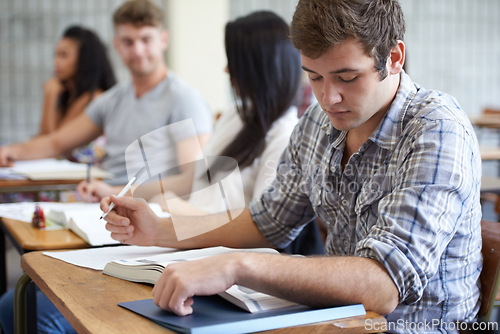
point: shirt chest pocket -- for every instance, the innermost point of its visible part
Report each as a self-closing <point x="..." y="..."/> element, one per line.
<point x="367" y="207"/>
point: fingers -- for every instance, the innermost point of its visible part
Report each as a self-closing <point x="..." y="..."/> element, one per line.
<point x="181" y="304"/>
<point x="89" y="191"/>
<point x="120" y="227"/>
<point x="105" y="202"/>
<point x="6" y="158"/>
<point x="122" y="237"/>
<point x="118" y="223"/>
<point x="130" y="220"/>
<point x="82" y="189"/>
<point x="125" y="202"/>
<point x="170" y="294"/>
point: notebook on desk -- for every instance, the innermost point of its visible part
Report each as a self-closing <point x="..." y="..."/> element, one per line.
<point x="52" y="169"/>
<point x="83" y="220"/>
<point x="213" y="314"/>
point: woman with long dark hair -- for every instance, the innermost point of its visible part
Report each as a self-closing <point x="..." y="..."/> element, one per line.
<point x="82" y="71"/>
<point x="264" y="70"/>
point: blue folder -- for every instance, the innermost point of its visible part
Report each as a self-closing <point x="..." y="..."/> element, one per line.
<point x="213" y="314"/>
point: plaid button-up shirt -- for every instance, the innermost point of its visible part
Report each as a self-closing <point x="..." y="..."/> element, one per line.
<point x="408" y="198"/>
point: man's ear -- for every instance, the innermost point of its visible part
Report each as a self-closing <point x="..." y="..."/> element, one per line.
<point x="115" y="44"/>
<point x="165" y="38"/>
<point x="396" y="58"/>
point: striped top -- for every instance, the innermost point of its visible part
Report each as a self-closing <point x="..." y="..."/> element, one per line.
<point x="408" y="198"/>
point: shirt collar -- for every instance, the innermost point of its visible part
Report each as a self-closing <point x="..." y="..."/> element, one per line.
<point x="392" y="124"/>
<point x="335" y="137"/>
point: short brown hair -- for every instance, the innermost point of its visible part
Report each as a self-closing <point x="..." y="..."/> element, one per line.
<point x="318" y="25"/>
<point x="139" y="13"/>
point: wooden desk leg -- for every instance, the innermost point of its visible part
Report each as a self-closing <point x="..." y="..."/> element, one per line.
<point x="25" y="291"/>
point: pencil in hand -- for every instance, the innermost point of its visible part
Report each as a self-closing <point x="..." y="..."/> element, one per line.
<point x="125" y="190"/>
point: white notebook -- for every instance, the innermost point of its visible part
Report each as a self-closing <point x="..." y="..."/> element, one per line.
<point x="84" y="220"/>
<point x="52" y="169"/>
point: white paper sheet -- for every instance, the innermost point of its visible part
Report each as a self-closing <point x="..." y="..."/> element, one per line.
<point x="96" y="258"/>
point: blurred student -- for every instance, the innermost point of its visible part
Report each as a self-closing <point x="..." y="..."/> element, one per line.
<point x="153" y="98"/>
<point x="264" y="70"/>
<point x="82" y="71"/>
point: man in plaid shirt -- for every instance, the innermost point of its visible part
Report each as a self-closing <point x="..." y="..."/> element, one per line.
<point x="392" y="169"/>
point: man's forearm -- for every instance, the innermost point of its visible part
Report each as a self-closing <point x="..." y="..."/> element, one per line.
<point x="320" y="281"/>
<point x="36" y="148"/>
<point x="240" y="232"/>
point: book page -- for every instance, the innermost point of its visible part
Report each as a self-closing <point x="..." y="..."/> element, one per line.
<point x="7" y="173"/>
<point x="96" y="258"/>
<point x="188" y="255"/>
<point x="254" y="301"/>
<point x="87" y="225"/>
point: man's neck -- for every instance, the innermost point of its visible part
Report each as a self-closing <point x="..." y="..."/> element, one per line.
<point x="143" y="84"/>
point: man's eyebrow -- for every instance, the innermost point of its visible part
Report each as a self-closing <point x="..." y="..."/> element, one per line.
<point x="342" y="70"/>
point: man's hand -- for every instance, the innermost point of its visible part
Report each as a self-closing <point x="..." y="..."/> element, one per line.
<point x="8" y="155"/>
<point x="133" y="222"/>
<point x="94" y="190"/>
<point x="181" y="281"/>
<point x="53" y="87"/>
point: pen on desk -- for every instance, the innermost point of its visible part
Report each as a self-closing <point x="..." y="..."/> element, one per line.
<point x="88" y="180"/>
<point x="88" y="172"/>
<point x="125" y="189"/>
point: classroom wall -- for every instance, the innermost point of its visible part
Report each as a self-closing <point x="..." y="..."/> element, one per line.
<point x="453" y="45"/>
<point x="29" y="31"/>
<point x="196" y="50"/>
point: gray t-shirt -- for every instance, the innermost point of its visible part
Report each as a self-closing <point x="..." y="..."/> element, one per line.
<point x="124" y="118"/>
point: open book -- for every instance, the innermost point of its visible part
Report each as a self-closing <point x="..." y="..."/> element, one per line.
<point x="148" y="270"/>
<point x="83" y="220"/>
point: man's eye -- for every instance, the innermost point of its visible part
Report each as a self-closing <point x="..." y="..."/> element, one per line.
<point x="348" y="79"/>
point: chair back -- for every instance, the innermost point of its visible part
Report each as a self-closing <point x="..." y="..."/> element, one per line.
<point x="490" y="232"/>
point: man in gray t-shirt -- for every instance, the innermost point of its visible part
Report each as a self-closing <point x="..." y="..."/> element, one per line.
<point x="124" y="118"/>
<point x="152" y="99"/>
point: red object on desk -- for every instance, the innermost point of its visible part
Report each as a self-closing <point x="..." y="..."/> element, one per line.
<point x="38" y="219"/>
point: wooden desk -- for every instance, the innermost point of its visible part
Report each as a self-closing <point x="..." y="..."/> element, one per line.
<point x="490" y="153"/>
<point x="88" y="300"/>
<point x="26" y="238"/>
<point x="491" y="121"/>
<point x="29" y="185"/>
<point x="490" y="185"/>
<point x="16" y="186"/>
